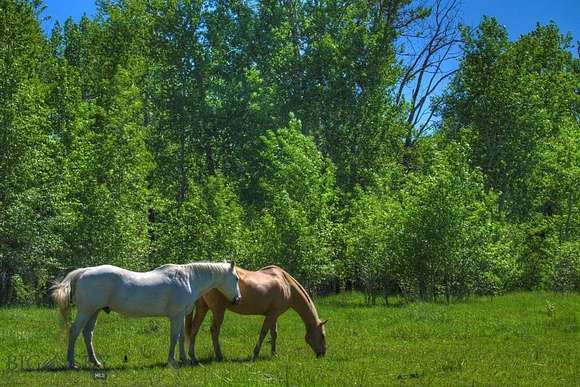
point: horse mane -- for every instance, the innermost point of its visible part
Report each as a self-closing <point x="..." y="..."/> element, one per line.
<point x="294" y="281"/>
<point x="205" y="266"/>
<point x="304" y="292"/>
<point x="198" y="266"/>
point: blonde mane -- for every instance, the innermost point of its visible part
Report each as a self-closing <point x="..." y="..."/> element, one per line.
<point x="303" y="293"/>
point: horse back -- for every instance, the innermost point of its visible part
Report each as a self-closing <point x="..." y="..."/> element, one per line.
<point x="263" y="292"/>
<point x="128" y="292"/>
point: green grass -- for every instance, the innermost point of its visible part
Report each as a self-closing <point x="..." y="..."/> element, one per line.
<point x="517" y="339"/>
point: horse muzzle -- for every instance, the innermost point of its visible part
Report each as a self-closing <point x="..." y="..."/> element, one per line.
<point x="236" y="300"/>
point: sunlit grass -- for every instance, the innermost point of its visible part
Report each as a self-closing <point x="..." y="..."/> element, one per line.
<point x="517" y="339"/>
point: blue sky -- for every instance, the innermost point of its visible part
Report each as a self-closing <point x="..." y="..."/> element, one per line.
<point x="61" y="9"/>
<point x="519" y="16"/>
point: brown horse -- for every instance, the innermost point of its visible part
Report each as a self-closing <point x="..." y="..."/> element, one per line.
<point x="269" y="292"/>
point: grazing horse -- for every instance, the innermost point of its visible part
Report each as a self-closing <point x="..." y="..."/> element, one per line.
<point x="269" y="292"/>
<point x="169" y="290"/>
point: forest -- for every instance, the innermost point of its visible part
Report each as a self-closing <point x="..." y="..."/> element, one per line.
<point x="375" y="145"/>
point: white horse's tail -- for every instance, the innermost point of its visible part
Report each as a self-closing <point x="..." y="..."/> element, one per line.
<point x="61" y="293"/>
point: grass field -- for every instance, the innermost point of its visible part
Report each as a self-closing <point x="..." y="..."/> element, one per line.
<point x="517" y="339"/>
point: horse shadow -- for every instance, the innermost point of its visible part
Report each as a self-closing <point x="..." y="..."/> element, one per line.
<point x="202" y="362"/>
<point x="210" y="360"/>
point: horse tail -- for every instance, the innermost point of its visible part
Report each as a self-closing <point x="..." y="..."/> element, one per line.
<point x="188" y="318"/>
<point x="61" y="293"/>
<point x="201" y="307"/>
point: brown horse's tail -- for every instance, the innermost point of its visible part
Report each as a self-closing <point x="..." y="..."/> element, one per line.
<point x="187" y="329"/>
<point x="200" y="304"/>
<point x="61" y="293"/>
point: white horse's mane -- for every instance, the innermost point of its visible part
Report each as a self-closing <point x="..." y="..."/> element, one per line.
<point x="200" y="267"/>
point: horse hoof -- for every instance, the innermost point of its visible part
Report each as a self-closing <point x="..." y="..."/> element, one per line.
<point x="73" y="367"/>
<point x="98" y="365"/>
<point x="193" y="362"/>
<point x="172" y="364"/>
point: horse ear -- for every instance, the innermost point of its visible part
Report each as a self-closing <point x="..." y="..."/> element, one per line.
<point x="322" y="322"/>
<point x="232" y="265"/>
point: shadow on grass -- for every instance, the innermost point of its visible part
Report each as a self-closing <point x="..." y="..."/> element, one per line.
<point x="46" y="369"/>
<point x="158" y="365"/>
<point x="247" y="359"/>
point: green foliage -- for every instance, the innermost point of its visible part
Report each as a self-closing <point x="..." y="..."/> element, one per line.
<point x="567" y="267"/>
<point x="446" y="224"/>
<point x="29" y="180"/>
<point x="519" y="100"/>
<point x="296" y="185"/>
<point x="208" y="225"/>
<point x="268" y="133"/>
<point x="373" y="253"/>
<point x="514" y="97"/>
<point x="439" y="235"/>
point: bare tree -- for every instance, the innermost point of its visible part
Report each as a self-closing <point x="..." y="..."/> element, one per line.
<point x="429" y="49"/>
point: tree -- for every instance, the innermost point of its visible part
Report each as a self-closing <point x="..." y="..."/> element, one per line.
<point x="30" y="186"/>
<point x="293" y="224"/>
<point x="428" y="50"/>
<point x="100" y="114"/>
<point x="437" y="235"/>
<point x="517" y="103"/>
<point x="513" y="97"/>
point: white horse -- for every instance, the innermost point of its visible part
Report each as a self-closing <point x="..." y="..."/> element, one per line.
<point x="169" y="290"/>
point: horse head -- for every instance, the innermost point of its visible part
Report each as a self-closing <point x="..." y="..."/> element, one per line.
<point x="316" y="338"/>
<point x="230" y="286"/>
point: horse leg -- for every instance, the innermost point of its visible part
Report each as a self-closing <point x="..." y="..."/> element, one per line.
<point x="201" y="309"/>
<point x="273" y="336"/>
<point x="74" y="331"/>
<point x="218" y="319"/>
<point x="266" y="326"/>
<point x="88" y="336"/>
<point x="176" y="327"/>
<point x="182" y="355"/>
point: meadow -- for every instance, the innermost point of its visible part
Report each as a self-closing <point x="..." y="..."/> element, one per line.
<point x="517" y="339"/>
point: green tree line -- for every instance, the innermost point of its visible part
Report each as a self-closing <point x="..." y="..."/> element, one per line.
<point x="275" y="132"/>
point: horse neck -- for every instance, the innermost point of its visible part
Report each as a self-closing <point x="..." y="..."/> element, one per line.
<point x="203" y="279"/>
<point x="300" y="302"/>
